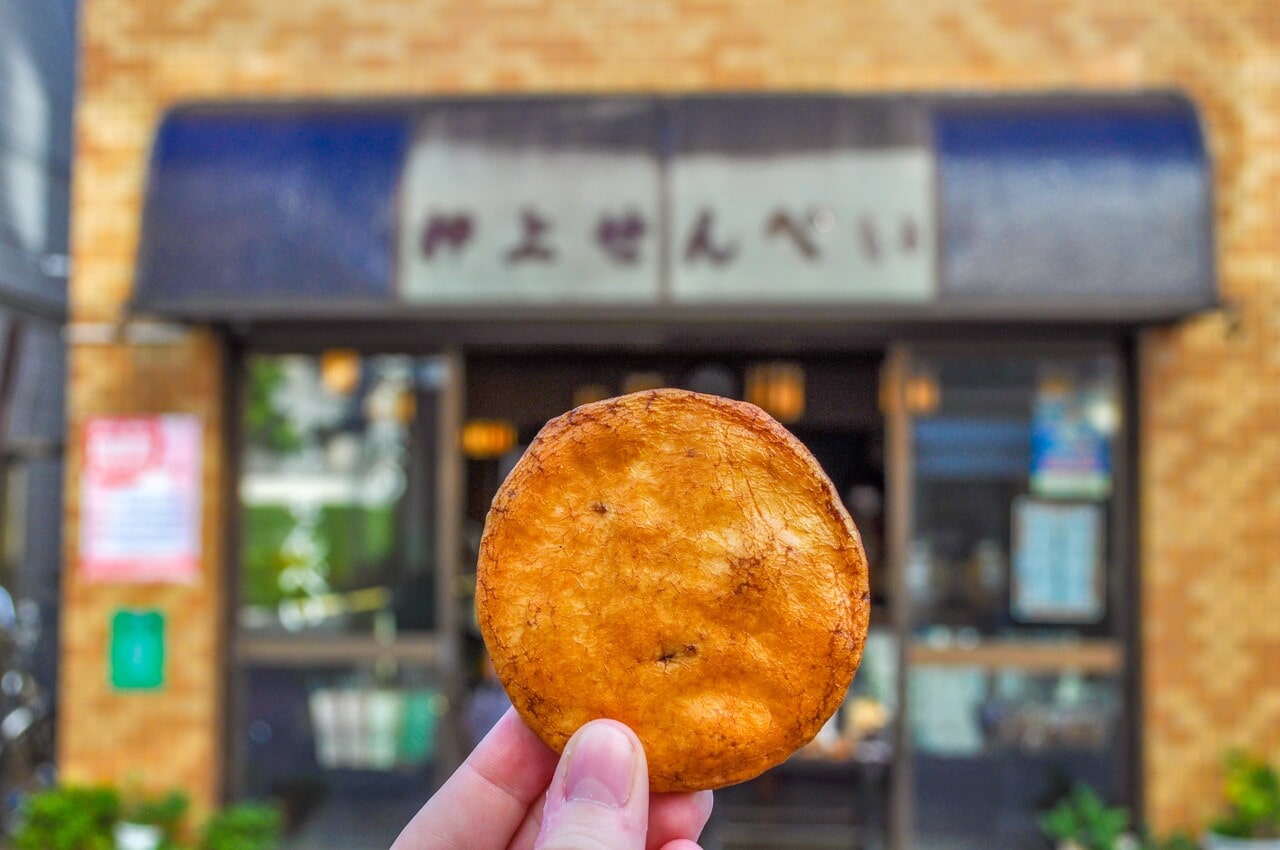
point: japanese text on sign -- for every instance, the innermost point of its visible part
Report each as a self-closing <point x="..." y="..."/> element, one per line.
<point x="490" y="226"/>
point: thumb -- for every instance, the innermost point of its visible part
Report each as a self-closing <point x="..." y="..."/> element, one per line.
<point x="599" y="797"/>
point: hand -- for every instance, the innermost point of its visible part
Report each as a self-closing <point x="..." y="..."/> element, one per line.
<point x="511" y="794"/>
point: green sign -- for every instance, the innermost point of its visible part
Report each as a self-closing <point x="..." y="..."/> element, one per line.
<point x="137" y="650"/>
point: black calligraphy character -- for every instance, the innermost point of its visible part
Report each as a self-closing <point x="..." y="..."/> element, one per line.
<point x="620" y="237"/>
<point x="531" y="246"/>
<point x="869" y="239"/>
<point x="782" y="224"/>
<point x="701" y="245"/>
<point x="454" y="231"/>
<point x="910" y="236"/>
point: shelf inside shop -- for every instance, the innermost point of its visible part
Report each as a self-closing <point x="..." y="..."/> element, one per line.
<point x="312" y="650"/>
<point x="1092" y="655"/>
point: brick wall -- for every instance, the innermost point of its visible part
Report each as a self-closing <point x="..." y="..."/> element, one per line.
<point x="159" y="739"/>
<point x="1210" y="425"/>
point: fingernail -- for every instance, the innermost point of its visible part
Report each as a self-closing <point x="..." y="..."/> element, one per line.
<point x="602" y="766"/>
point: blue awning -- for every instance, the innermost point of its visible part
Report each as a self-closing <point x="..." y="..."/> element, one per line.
<point x="1111" y="197"/>
<point x="251" y="206"/>
<point x="1047" y="207"/>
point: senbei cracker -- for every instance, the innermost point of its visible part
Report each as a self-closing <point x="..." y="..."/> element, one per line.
<point x="681" y="563"/>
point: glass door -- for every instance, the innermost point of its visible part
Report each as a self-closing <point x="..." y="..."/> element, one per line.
<point x="1009" y="552"/>
<point x="344" y="646"/>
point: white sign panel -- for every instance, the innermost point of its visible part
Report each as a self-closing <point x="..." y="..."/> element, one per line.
<point x="1057" y="562"/>
<point x="140" y="499"/>
<point x="486" y="224"/>
<point x="853" y="226"/>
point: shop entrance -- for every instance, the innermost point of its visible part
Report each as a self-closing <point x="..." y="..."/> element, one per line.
<point x="988" y="484"/>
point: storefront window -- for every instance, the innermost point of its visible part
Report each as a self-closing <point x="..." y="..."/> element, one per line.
<point x="336" y="494"/>
<point x="1015" y="675"/>
<point x="344" y="684"/>
<point x="359" y="687"/>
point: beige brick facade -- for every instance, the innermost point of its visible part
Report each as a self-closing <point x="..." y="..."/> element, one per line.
<point x="1210" y="388"/>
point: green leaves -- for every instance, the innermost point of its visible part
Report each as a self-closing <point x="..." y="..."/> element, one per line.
<point x="1253" y="799"/>
<point x="76" y="818"/>
<point x="243" y="827"/>
<point x="168" y="812"/>
<point x="71" y="818"/>
<point x="1084" y="819"/>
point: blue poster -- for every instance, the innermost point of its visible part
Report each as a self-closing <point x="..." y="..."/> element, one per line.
<point x="1070" y="448"/>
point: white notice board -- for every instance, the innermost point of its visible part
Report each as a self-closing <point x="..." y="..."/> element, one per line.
<point x="1058" y="571"/>
<point x="140" y="499"/>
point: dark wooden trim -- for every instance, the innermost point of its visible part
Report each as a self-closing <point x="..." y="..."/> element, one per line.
<point x="900" y="522"/>
<point x="1128" y="488"/>
<point x="233" y="365"/>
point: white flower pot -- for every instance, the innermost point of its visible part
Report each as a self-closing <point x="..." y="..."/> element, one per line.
<point x="1213" y="841"/>
<point x="137" y="836"/>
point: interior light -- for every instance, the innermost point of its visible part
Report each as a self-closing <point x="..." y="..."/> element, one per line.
<point x="1103" y="414"/>
<point x="340" y="370"/>
<point x="777" y="388"/>
<point x="921" y="394"/>
<point x="483" y="439"/>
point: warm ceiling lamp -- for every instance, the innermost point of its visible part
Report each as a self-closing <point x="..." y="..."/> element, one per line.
<point x="921" y="393"/>
<point x="483" y="439"/>
<point x="340" y="370"/>
<point x="777" y="388"/>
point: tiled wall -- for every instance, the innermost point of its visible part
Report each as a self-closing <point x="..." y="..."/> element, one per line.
<point x="1210" y="426"/>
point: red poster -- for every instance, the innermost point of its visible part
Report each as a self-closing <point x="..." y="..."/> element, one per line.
<point x="140" y="499"/>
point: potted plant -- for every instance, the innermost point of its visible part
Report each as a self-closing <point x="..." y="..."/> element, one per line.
<point x="151" y="823"/>
<point x="1252" y="820"/>
<point x="1082" y="821"/>
<point x="69" y="818"/>
<point x="244" y="826"/>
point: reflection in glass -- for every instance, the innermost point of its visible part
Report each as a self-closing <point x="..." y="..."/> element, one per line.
<point x="335" y="479"/>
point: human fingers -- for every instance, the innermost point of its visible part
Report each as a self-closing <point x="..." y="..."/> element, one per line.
<point x="681" y="844"/>
<point x="671" y="816"/>
<point x="599" y="797"/>
<point x="528" y="831"/>
<point x="677" y="816"/>
<point x="485" y="800"/>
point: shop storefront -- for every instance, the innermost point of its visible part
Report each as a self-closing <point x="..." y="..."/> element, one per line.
<point x="941" y="297"/>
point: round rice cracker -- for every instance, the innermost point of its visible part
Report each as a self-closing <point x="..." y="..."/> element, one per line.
<point x="681" y="563"/>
